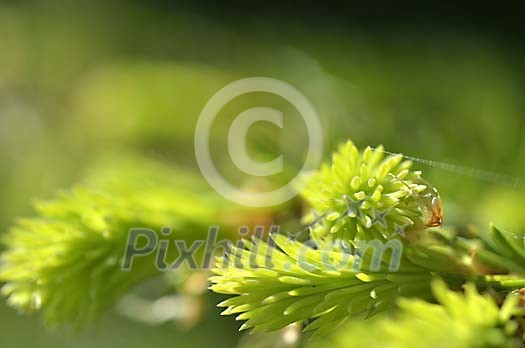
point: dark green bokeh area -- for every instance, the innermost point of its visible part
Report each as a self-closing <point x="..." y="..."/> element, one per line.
<point x="81" y="81"/>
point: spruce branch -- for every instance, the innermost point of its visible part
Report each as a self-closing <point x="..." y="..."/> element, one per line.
<point x="361" y="197"/>
<point x="358" y="200"/>
<point x="67" y="260"/>
<point x="293" y="282"/>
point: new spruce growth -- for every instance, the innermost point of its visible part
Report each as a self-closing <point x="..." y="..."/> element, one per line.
<point x="368" y="259"/>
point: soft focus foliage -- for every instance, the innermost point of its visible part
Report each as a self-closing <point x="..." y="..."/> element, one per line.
<point x="467" y="320"/>
<point x="67" y="260"/>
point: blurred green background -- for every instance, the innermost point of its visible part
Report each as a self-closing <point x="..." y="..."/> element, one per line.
<point x="80" y="81"/>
